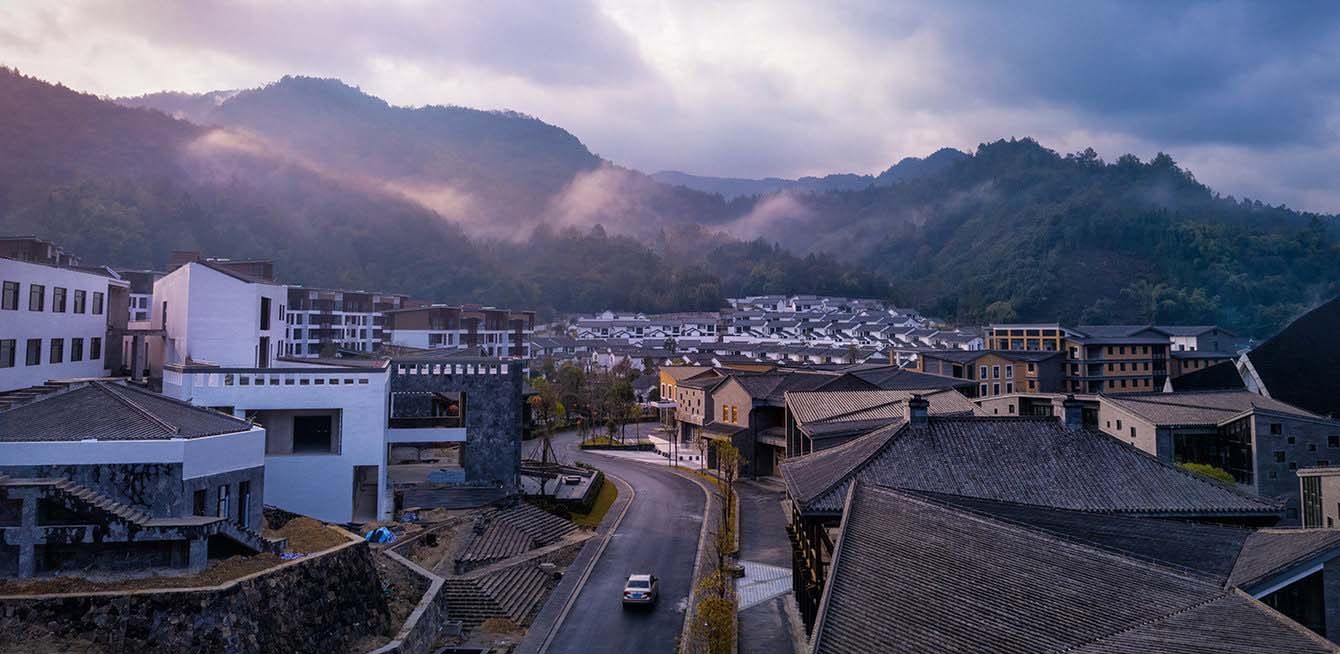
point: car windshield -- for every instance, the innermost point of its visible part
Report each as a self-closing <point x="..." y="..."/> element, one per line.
<point x="639" y="583"/>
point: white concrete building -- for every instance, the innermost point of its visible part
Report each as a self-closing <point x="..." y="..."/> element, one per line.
<point x="54" y="322"/>
<point x="211" y="315"/>
<point x="481" y="331"/>
<point x="326" y="426"/>
<point x="328" y="319"/>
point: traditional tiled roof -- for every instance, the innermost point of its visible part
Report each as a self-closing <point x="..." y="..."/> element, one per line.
<point x="1298" y="364"/>
<point x="1269" y="551"/>
<point x="1200" y="408"/>
<point x="841" y="406"/>
<point x="913" y="575"/>
<point x="1037" y="461"/>
<point x="893" y="378"/>
<point x="111" y="412"/>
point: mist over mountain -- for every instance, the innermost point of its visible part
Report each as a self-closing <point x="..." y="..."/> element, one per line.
<point x="735" y="187"/>
<point x="457" y="204"/>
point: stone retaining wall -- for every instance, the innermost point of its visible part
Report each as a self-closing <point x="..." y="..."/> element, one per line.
<point x="322" y="603"/>
<point x="425" y="625"/>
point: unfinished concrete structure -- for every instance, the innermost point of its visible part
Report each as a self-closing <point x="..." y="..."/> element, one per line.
<point x="101" y="477"/>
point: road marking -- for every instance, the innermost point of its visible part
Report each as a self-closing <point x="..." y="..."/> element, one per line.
<point x="760" y="583"/>
<point x="586" y="574"/>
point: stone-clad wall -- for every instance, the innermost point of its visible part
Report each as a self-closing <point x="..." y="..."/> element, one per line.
<point x="493" y="416"/>
<point x="155" y="488"/>
<point x="323" y="603"/>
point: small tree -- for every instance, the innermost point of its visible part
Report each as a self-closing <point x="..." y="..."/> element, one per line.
<point x="728" y="468"/>
<point x="716" y="613"/>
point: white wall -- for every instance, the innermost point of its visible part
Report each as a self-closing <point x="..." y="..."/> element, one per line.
<point x="214" y="317"/>
<point x="319" y="485"/>
<point x="207" y="455"/>
<point x="22" y="324"/>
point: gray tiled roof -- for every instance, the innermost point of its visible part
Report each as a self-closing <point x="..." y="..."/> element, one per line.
<point x="1270" y="551"/>
<point x="1035" y="461"/>
<point x="810" y="407"/>
<point x="912" y="575"/>
<point x="111" y="412"/>
<point x="892" y="378"/>
<point x="1206" y="407"/>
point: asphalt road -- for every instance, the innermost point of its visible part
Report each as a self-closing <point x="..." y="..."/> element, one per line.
<point x="658" y="535"/>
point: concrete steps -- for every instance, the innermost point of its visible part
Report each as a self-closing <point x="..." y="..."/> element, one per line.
<point x="102" y="503"/>
<point x="542" y="526"/>
<point x="514" y="593"/>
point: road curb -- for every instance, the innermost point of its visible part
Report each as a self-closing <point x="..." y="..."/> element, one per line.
<point x="609" y="527"/>
<point x="709" y="498"/>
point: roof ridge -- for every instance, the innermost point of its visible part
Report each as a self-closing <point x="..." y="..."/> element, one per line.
<point x="1331" y="543"/>
<point x="168" y="427"/>
<point x="893" y="430"/>
<point x="1146" y="622"/>
<point x="1178" y="571"/>
<point x="1284" y="619"/>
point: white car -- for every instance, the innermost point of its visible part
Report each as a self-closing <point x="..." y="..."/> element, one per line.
<point x="641" y="590"/>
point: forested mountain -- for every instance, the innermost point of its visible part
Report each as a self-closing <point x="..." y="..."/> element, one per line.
<point x="736" y="187"/>
<point x="454" y="204"/>
<point x="125" y="186"/>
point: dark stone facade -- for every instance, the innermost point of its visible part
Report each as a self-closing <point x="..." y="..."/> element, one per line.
<point x="157" y="488"/>
<point x="321" y="604"/>
<point x="493" y="414"/>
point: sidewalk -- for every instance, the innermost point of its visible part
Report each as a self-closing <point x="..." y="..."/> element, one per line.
<point x="769" y="621"/>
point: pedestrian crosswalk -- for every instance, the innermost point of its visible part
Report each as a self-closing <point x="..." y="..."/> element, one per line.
<point x="761" y="583"/>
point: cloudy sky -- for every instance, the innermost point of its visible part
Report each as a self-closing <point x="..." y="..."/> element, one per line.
<point x="1246" y="95"/>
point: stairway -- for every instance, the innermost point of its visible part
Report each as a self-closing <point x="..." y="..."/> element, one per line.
<point x="542" y="526"/>
<point x="515" y="594"/>
<point x="101" y="503"/>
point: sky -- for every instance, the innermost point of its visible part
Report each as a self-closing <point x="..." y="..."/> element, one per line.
<point x="1244" y="94"/>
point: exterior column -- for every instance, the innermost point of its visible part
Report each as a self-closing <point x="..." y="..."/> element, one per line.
<point x="136" y="342"/>
<point x="28" y="542"/>
<point x="199" y="554"/>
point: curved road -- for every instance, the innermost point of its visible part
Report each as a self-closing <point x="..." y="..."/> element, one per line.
<point x="659" y="535"/>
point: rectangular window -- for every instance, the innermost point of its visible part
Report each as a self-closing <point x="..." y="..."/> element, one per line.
<point x="1276" y="428"/>
<point x="1009" y="387"/>
<point x="1009" y="372"/>
<point x="221" y="508"/>
<point x="58" y="299"/>
<point x="37" y="296"/>
<point x="1331" y="441"/>
<point x="79" y="301"/>
<point x="76" y="349"/>
<point x="9" y="298"/>
<point x="1118" y="425"/>
<point x="57" y="350"/>
<point x="7" y="347"/>
<point x="995" y="389"/>
<point x="1132" y="433"/>
<point x="1032" y="368"/>
<point x="198" y="502"/>
<point x="95" y="348"/>
<point x="313" y="435"/>
<point x="97" y="303"/>
<point x="244" y="503"/>
<point x="981" y="372"/>
<point x="1279" y="456"/>
<point x="995" y="372"/>
<point x="34" y="352"/>
<point x="734" y="414"/>
<point x="982" y="390"/>
<point x="263" y="353"/>
<point x="265" y="313"/>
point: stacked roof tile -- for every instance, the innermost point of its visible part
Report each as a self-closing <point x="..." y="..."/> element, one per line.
<point x="1037" y="461"/>
<point x="111" y="412"/>
<point x="913" y="574"/>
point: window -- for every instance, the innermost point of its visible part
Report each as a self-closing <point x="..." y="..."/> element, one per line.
<point x="76" y="349"/>
<point x="1009" y="372"/>
<point x="9" y="299"/>
<point x="1312" y="447"/>
<point x="244" y="503"/>
<point x="1279" y="456"/>
<point x="1292" y="440"/>
<point x="1132" y="432"/>
<point x="198" y="502"/>
<point x="58" y="299"/>
<point x="57" y="350"/>
<point x="97" y="303"/>
<point x="995" y="389"/>
<point x="7" y="347"/>
<point x="95" y="348"/>
<point x="221" y="508"/>
<point x="725" y="413"/>
<point x="995" y="372"/>
<point x="1032" y="367"/>
<point x="265" y="313"/>
<point x="734" y="413"/>
<point x="1276" y="428"/>
<point x="34" y="352"/>
<point x="982" y="373"/>
<point x="981" y="390"/>
<point x="1009" y="387"/>
<point x="163" y="313"/>
<point x="1333" y="441"/>
<point x="263" y="353"/>
<point x="37" y="295"/>
<point x="79" y="299"/>
<point x="313" y="434"/>
<point x="1118" y="425"/>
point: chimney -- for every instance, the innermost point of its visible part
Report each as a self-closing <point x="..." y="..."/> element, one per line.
<point x="918" y="410"/>
<point x="1072" y="411"/>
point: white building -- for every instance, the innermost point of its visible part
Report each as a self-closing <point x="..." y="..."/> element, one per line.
<point x="481" y="331"/>
<point x="326" y="425"/>
<point x="210" y="314"/>
<point x="54" y="322"/>
<point x="327" y="319"/>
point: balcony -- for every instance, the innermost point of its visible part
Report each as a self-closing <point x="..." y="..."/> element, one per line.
<point x="425" y="422"/>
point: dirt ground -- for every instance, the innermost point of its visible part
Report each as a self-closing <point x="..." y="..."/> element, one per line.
<point x="306" y="535"/>
<point x="403" y="590"/>
<point x="216" y="573"/>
